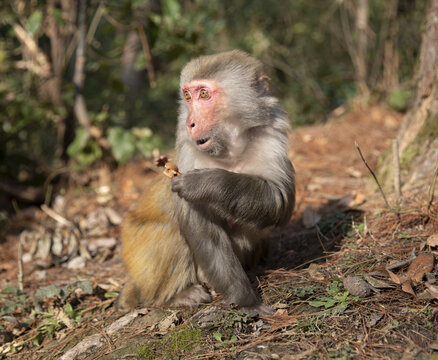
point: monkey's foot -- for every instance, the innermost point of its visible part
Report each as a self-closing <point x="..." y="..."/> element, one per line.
<point x="260" y="310"/>
<point x="192" y="296"/>
<point x="128" y="298"/>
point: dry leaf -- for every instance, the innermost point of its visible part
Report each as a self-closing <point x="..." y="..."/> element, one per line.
<point x="359" y="198"/>
<point x="280" y="305"/>
<point x="394" y="277"/>
<point x="374" y="319"/>
<point x="378" y="283"/>
<point x="62" y="316"/>
<point x="433" y="290"/>
<point x="422" y="264"/>
<point x="432" y="240"/>
<point x="310" y="217"/>
<point x="280" y="313"/>
<point x="113" y="216"/>
<point x="168" y="322"/>
<point x="351" y="200"/>
<point x="346" y="201"/>
<point x="407" y="288"/>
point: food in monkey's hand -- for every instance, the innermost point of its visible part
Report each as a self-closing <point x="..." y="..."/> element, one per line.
<point x="171" y="170"/>
<point x="161" y="160"/>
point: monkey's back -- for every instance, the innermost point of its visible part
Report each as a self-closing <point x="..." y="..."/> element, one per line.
<point x="157" y="257"/>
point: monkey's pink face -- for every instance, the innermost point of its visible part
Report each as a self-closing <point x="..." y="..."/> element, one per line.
<point x="202" y="97"/>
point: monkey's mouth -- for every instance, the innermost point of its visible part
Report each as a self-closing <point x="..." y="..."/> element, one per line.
<point x="204" y="142"/>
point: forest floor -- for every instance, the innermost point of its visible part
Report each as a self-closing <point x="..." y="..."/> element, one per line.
<point x="349" y="278"/>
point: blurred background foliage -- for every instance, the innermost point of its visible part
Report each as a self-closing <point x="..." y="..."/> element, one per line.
<point x="90" y="81"/>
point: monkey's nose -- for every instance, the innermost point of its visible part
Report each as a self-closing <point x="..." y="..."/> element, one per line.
<point x="191" y="127"/>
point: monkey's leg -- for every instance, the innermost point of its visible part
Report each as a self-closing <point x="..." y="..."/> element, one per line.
<point x="159" y="261"/>
<point x="214" y="254"/>
<point x="128" y="298"/>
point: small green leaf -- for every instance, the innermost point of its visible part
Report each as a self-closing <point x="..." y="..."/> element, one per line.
<point x="78" y="143"/>
<point x="140" y="62"/>
<point x="57" y="14"/>
<point x="217" y="336"/>
<point x="340" y="308"/>
<point x="69" y="310"/>
<point x="137" y="3"/>
<point x="10" y="290"/>
<point x="111" y="294"/>
<point x="399" y="99"/>
<point x="330" y="303"/>
<point x="85" y="285"/>
<point x="171" y="8"/>
<point x="48" y="292"/>
<point x="122" y="143"/>
<point x="155" y="18"/>
<point x="84" y="149"/>
<point x="34" y="22"/>
<point x="316" y="303"/>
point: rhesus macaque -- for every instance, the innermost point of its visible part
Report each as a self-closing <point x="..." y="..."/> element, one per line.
<point x="209" y="224"/>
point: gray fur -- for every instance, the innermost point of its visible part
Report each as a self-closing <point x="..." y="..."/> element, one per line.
<point x="228" y="197"/>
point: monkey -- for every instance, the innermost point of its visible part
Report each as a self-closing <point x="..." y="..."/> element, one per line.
<point x="206" y="227"/>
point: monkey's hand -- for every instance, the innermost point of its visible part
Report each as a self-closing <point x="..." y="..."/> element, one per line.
<point x="243" y="198"/>
<point x="196" y="185"/>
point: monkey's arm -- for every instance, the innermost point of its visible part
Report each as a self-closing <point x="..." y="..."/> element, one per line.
<point x="240" y="197"/>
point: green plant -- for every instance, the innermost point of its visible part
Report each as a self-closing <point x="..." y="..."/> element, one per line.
<point x="398" y="99"/>
<point x="222" y="341"/>
<point x="14" y="299"/>
<point x="178" y="342"/>
<point x="304" y="292"/>
<point x="124" y="143"/>
<point x="84" y="148"/>
<point x="338" y="300"/>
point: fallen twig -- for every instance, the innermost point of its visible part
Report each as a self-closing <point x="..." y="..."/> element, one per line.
<point x="55" y="216"/>
<point x="96" y="341"/>
<point x="402" y="263"/>
<point x="20" y="264"/>
<point x="372" y="173"/>
<point x="396" y="163"/>
<point x="148" y="56"/>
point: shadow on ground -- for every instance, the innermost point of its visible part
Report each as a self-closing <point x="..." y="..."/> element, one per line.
<point x="296" y="246"/>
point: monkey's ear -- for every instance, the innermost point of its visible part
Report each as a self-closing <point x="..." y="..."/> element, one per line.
<point x="264" y="84"/>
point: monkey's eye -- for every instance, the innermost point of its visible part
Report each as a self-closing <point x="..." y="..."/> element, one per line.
<point x="187" y="95"/>
<point x="204" y="94"/>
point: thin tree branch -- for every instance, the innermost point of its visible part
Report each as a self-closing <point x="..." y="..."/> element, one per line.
<point x="372" y="173"/>
<point x="148" y="56"/>
<point x="396" y="164"/>
<point x="80" y="107"/>
<point x="20" y="264"/>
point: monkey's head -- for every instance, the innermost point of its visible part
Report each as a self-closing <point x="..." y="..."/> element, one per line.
<point x="223" y="96"/>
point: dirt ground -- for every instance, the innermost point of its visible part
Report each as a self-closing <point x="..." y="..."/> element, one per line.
<point x="343" y="276"/>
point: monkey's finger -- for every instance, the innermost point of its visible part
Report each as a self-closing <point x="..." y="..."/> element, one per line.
<point x="177" y="184"/>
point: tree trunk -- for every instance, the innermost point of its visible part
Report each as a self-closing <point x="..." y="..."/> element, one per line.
<point x="418" y="135"/>
<point x="390" y="52"/>
<point x="362" y="46"/>
<point x="356" y="39"/>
